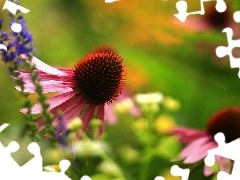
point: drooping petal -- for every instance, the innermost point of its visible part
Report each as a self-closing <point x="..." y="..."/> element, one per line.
<point x="86" y="116"/>
<point x="42" y="76"/>
<point x="43" y="66"/>
<point x="69" y="108"/>
<point x="197" y="149"/>
<point x="74" y="111"/>
<point x="52" y="102"/>
<point x="187" y="135"/>
<point x="50" y="86"/>
<point x="49" y="82"/>
<point x="199" y="153"/>
<point x="191" y="147"/>
<point x="100" y="115"/>
<point x="70" y="114"/>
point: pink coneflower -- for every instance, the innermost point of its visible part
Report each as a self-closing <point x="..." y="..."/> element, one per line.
<point x="83" y="91"/>
<point x="110" y="114"/>
<point x="198" y="142"/>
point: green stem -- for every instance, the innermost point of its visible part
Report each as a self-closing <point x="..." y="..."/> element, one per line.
<point x="196" y="166"/>
<point x="144" y="166"/>
<point x="105" y="157"/>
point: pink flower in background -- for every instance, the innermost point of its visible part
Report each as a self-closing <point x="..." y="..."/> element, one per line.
<point x="83" y="91"/>
<point x="110" y="114"/>
<point x="210" y="20"/>
<point x="198" y="142"/>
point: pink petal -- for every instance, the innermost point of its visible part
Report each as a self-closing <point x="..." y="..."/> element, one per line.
<point x="43" y="66"/>
<point x="222" y="166"/>
<point x="123" y="95"/>
<point x="197" y="149"/>
<point x="75" y="110"/>
<point x="135" y="111"/>
<point x="53" y="102"/>
<point x="71" y="112"/>
<point x="199" y="153"/>
<point x="49" y="82"/>
<point x="187" y="135"/>
<point x="193" y="24"/>
<point x="126" y="94"/>
<point x="191" y="147"/>
<point x="51" y="86"/>
<point x="71" y="106"/>
<point x="42" y="76"/>
<point x="86" y="116"/>
<point x="100" y="115"/>
<point x="207" y="171"/>
<point x="110" y="115"/>
<point x="223" y="162"/>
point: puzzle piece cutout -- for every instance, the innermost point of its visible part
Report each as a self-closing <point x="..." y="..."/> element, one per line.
<point x="7" y="163"/>
<point x="236" y="16"/>
<point x="3" y="126"/>
<point x="13" y="8"/>
<point x="182" y="8"/>
<point x="111" y="1"/>
<point x="16" y="27"/>
<point x="222" y="51"/>
<point x="85" y="178"/>
<point x="177" y="171"/>
<point x="227" y="150"/>
<point x="32" y="169"/>
<point x="10" y="169"/>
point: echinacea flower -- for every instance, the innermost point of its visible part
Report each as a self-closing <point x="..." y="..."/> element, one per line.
<point x="198" y="142"/>
<point x="110" y="114"/>
<point x="83" y="91"/>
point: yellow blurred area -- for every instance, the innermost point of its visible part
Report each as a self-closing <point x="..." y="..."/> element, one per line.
<point x="164" y="123"/>
<point x="140" y="124"/>
<point x="141" y="23"/>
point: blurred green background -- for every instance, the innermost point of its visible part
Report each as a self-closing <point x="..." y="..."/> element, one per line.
<point x="161" y="53"/>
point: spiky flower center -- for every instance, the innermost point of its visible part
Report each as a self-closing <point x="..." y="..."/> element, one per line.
<point x="226" y="121"/>
<point x="100" y="77"/>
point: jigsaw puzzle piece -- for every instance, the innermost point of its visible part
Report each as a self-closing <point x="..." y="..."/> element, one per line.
<point x="222" y="51"/>
<point x="236" y="16"/>
<point x="35" y="164"/>
<point x="13" y="8"/>
<point x="159" y="178"/>
<point x="221" y="6"/>
<point x="182" y="11"/>
<point x="182" y="6"/>
<point x="5" y="156"/>
<point x="177" y="171"/>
